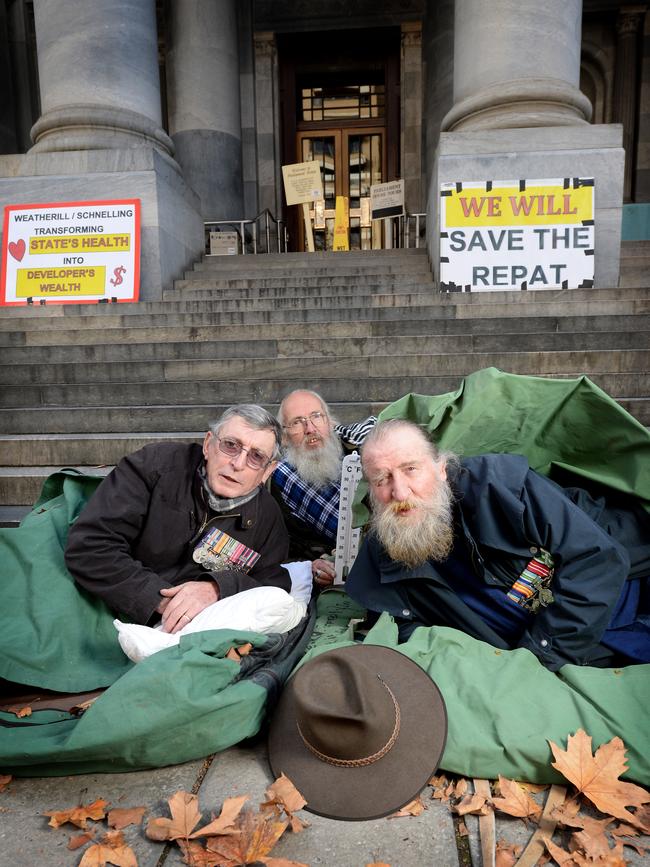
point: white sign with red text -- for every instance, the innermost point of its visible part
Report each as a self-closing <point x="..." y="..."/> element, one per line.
<point x="71" y="252"/>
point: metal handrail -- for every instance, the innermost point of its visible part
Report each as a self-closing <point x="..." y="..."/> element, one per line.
<point x="240" y="227"/>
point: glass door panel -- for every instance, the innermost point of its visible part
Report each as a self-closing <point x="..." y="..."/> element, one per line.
<point x="364" y="162"/>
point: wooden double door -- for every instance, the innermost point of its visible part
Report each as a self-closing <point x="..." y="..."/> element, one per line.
<point x="351" y="161"/>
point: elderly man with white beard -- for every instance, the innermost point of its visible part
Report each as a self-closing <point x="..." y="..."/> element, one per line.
<point x="486" y="545"/>
<point x="306" y="483"/>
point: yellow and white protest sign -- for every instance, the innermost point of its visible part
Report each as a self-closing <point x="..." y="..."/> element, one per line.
<point x="341" y="224"/>
<point x="526" y="234"/>
<point x="71" y="252"/>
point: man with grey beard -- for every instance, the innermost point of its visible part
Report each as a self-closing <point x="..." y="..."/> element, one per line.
<point x="488" y="546"/>
<point x="306" y="483"/>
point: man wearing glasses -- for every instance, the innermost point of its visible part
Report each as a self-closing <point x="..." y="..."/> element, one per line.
<point x="306" y="483"/>
<point x="175" y="527"/>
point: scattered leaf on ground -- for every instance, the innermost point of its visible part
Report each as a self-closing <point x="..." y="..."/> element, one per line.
<point x="564" y="859"/>
<point x="413" y="808"/>
<point x="120" y="817"/>
<point x="506" y="854"/>
<point x="378" y="864"/>
<point x="597" y="776"/>
<point x="282" y="862"/>
<point x="79" y="840"/>
<point x="259" y="834"/>
<point x="535" y="788"/>
<point x="474" y="804"/>
<point x="5" y="779"/>
<point x="197" y="856"/>
<point x="20" y="711"/>
<point x="78" y="815"/>
<point x="224" y="824"/>
<point x="111" y="850"/>
<point x="438" y="781"/>
<point x="514" y="801"/>
<point x="462" y="828"/>
<point x="283" y="794"/>
<point x="185" y="817"/>
<point x="460" y="790"/>
<point x="640" y="850"/>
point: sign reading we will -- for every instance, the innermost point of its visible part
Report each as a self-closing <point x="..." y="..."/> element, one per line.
<point x="528" y="234"/>
<point x="71" y="252"/>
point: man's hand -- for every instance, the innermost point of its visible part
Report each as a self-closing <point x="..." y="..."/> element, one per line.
<point x="323" y="572"/>
<point x="181" y="604"/>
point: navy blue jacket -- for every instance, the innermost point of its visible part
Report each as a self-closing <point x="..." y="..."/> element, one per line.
<point x="507" y="513"/>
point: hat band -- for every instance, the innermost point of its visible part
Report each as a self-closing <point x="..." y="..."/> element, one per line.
<point x="367" y="760"/>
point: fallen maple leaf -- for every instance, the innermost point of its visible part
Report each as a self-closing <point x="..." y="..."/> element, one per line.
<point x="474" y="804"/>
<point x="197" y="856"/>
<point x="514" y="801"/>
<point x="111" y="850"/>
<point x="78" y="815"/>
<point x="20" y="711"/>
<point x="5" y="779"/>
<point x="378" y="864"/>
<point x="438" y="782"/>
<point x="462" y="828"/>
<point x="283" y="794"/>
<point x="597" y="776"/>
<point x="260" y="833"/>
<point x="413" y="808"/>
<point x="224" y="824"/>
<point x="120" y="817"/>
<point x="282" y="862"/>
<point x="564" y="859"/>
<point x="185" y="817"/>
<point x="535" y="788"/>
<point x="506" y="854"/>
<point x="80" y="840"/>
<point x="460" y="789"/>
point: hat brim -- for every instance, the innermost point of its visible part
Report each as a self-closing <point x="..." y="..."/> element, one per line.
<point x="375" y="790"/>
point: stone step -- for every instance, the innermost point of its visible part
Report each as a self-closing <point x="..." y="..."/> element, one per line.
<point x="173" y="361"/>
<point x="122" y="344"/>
<point x="320" y="257"/>
<point x="50" y="334"/>
<point x="22" y="485"/>
<point x="260" y="289"/>
<point x="82" y="315"/>
<point x="629" y="389"/>
<point x="348" y="378"/>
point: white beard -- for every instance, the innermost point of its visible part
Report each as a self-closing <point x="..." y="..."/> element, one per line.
<point x="318" y="467"/>
<point x="412" y="542"/>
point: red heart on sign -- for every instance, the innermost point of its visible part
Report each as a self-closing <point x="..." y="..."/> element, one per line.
<point x="17" y="250"/>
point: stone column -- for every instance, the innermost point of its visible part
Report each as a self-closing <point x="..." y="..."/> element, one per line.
<point x="266" y="121"/>
<point x="411" y="132"/>
<point x="204" y="108"/>
<point x="517" y="64"/>
<point x="630" y="20"/>
<point x="98" y="71"/>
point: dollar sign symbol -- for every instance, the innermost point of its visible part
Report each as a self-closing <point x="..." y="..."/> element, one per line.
<point x="118" y="275"/>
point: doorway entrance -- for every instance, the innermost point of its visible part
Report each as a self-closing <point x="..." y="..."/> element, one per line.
<point x="351" y="160"/>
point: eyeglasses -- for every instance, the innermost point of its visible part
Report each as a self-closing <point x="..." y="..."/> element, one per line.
<point x="316" y="418"/>
<point x="255" y="459"/>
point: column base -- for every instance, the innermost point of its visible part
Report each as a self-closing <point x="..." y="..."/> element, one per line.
<point x="546" y="152"/>
<point x="172" y="233"/>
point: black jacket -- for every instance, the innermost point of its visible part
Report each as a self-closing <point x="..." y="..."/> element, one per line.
<point x="137" y="533"/>
<point x="508" y="513"/>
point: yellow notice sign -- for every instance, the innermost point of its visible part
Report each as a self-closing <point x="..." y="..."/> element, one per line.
<point x="53" y="282"/>
<point x="341" y="224"/>
<point x="302" y="182"/>
<point x="508" y="206"/>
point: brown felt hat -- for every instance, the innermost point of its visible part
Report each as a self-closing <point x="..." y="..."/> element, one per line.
<point x="359" y="731"/>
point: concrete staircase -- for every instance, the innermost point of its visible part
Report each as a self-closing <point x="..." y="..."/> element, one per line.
<point x="81" y="386"/>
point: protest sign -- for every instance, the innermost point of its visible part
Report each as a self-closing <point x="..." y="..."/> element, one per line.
<point x="387" y="200"/>
<point x="526" y="234"/>
<point x="71" y="252"/>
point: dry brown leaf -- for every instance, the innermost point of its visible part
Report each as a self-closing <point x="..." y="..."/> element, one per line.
<point x="282" y="862"/>
<point x="78" y="815"/>
<point x="5" y="779"/>
<point x="640" y="850"/>
<point x="564" y="859"/>
<point x="624" y="831"/>
<point x="438" y="782"/>
<point x="284" y="793"/>
<point x="514" y="801"/>
<point x="185" y="817"/>
<point x="111" y="850"/>
<point x="378" y="864"/>
<point x="506" y="854"/>
<point x="535" y="788"/>
<point x="224" y="824"/>
<point x="460" y="790"/>
<point x="197" y="856"/>
<point x="413" y="808"/>
<point x="260" y="833"/>
<point x="462" y="828"/>
<point x="597" y="776"/>
<point x="475" y="804"/>
<point x="121" y="817"/>
<point x="592" y="842"/>
<point x="80" y="840"/>
<point x="19" y="711"/>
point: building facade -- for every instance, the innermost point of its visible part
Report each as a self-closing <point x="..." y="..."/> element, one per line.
<point x="194" y="106"/>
